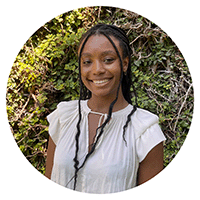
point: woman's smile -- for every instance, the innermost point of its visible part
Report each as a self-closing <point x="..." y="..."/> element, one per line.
<point x="101" y="82"/>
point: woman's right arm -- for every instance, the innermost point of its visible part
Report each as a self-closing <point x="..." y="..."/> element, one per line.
<point x="50" y="157"/>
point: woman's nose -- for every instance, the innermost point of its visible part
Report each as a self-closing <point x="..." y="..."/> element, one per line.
<point x="98" y="68"/>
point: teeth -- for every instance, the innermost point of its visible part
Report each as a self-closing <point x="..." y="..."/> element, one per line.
<point x="101" y="81"/>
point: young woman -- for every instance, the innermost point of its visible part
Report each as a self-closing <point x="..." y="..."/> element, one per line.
<point x="102" y="143"/>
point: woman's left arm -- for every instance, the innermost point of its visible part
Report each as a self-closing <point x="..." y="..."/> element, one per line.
<point x="151" y="165"/>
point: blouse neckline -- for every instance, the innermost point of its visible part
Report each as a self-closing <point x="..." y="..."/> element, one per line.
<point x="121" y="112"/>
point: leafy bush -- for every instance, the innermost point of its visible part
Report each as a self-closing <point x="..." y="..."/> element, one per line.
<point x="45" y="72"/>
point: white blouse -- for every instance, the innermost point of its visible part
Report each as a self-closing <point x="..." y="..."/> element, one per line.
<point x="113" y="165"/>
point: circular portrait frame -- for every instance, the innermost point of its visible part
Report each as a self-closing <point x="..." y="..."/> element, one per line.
<point x="37" y="96"/>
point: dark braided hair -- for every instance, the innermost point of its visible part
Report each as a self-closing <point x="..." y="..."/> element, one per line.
<point x="125" y="82"/>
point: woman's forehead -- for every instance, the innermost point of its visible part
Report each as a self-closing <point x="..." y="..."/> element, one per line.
<point x="100" y="43"/>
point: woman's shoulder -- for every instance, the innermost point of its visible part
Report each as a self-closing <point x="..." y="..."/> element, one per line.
<point x="64" y="110"/>
<point x="69" y="105"/>
<point x="145" y="115"/>
<point x="142" y="120"/>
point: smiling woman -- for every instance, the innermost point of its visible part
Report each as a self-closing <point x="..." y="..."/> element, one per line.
<point x="101" y="138"/>
<point x="102" y="143"/>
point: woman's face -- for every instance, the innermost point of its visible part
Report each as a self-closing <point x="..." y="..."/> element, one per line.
<point x="100" y="66"/>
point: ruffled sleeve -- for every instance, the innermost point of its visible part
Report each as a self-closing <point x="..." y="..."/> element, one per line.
<point x="148" y="132"/>
<point x="64" y="112"/>
<point x="54" y="125"/>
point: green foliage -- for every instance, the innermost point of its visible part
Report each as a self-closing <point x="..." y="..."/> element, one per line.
<point x="45" y="72"/>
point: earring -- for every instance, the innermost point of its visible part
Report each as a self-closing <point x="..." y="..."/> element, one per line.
<point x="125" y="73"/>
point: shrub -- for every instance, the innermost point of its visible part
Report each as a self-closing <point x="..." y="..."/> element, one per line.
<point x="45" y="72"/>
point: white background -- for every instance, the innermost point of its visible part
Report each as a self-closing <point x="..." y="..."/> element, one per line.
<point x="20" y="19"/>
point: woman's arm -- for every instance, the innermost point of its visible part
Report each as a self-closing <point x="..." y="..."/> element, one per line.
<point x="151" y="165"/>
<point x="50" y="157"/>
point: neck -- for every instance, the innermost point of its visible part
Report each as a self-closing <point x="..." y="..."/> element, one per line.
<point x="102" y="104"/>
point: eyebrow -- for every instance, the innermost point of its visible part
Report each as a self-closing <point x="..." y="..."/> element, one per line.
<point x="103" y="53"/>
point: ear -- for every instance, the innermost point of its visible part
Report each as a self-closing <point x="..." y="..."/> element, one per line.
<point x="125" y="64"/>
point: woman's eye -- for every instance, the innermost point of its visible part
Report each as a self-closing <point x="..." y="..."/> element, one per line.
<point x="109" y="60"/>
<point x="87" y="62"/>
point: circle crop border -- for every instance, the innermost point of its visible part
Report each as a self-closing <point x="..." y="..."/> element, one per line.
<point x="179" y="157"/>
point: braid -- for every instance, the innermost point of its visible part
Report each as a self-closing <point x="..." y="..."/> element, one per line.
<point x="76" y="162"/>
<point x="128" y="120"/>
<point x="125" y="82"/>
